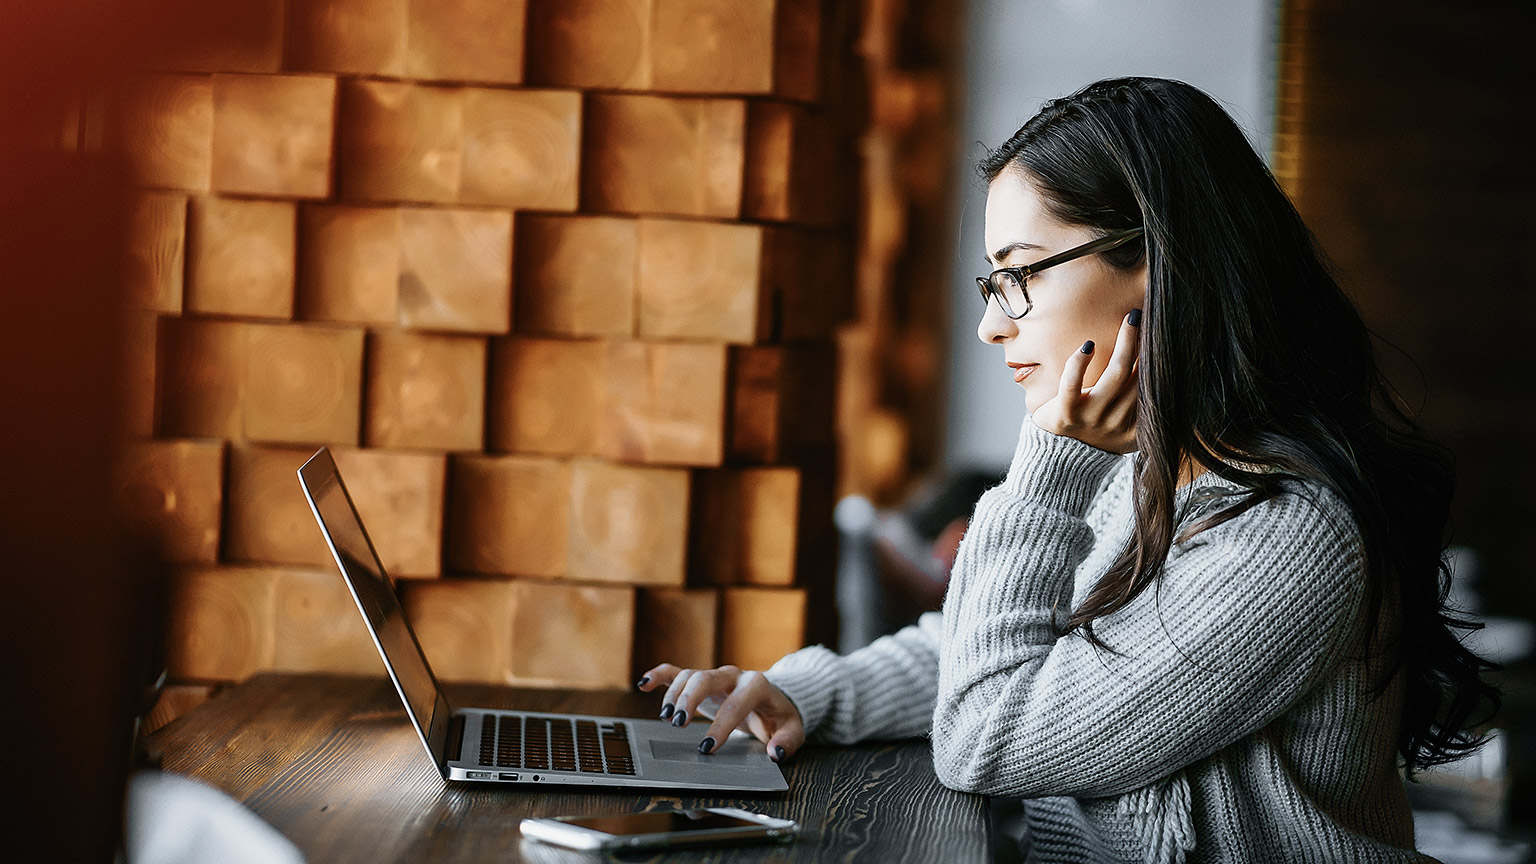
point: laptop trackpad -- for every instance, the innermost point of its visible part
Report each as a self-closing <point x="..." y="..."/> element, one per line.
<point x="732" y="753"/>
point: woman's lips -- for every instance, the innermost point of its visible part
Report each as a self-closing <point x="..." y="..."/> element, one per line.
<point x="1021" y="371"/>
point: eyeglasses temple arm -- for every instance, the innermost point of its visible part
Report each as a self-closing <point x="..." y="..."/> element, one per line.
<point x="1103" y="244"/>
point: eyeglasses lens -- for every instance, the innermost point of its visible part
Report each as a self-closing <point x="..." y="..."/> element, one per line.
<point x="1011" y="292"/>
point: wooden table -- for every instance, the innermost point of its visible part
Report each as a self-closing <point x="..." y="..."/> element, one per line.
<point x="332" y="763"/>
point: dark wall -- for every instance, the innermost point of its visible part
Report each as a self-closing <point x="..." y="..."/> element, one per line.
<point x="1413" y="139"/>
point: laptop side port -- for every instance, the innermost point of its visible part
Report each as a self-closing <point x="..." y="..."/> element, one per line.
<point x="508" y="776"/>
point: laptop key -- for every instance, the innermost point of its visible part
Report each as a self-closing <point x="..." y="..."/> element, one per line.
<point x="488" y="740"/>
<point x="562" y="746"/>
<point x="616" y="751"/>
<point x="589" y="747"/>
<point x="509" y="742"/>
<point x="536" y="743"/>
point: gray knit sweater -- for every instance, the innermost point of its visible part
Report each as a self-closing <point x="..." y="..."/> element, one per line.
<point x="1236" y="723"/>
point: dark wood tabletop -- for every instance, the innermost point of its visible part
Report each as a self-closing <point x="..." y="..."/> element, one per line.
<point x="333" y="764"/>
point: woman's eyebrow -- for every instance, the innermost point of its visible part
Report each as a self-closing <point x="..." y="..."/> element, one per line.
<point x="1015" y="246"/>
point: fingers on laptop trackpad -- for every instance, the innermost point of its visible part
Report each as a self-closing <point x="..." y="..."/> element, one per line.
<point x="732" y="753"/>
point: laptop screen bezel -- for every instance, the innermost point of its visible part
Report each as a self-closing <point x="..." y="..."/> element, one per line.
<point x="315" y="477"/>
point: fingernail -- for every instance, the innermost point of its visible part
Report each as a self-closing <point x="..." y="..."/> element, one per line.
<point x="707" y="744"/>
<point x="1134" y="318"/>
<point x="643" y="681"/>
<point x="1088" y="347"/>
<point x="778" y="753"/>
<point x="666" y="710"/>
<point x="680" y="719"/>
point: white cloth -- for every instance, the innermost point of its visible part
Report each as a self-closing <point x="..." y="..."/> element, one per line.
<point x="174" y="820"/>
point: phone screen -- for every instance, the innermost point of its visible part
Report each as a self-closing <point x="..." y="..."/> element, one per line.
<point x="663" y="822"/>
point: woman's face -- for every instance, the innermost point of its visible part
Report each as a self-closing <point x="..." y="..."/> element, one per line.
<point x="1072" y="302"/>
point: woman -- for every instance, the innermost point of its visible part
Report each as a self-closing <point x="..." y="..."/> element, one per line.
<point x="1200" y="619"/>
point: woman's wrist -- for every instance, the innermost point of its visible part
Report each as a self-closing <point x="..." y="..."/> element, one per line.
<point x="1056" y="471"/>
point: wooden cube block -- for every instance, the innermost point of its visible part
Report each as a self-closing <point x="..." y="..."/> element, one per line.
<point x="168" y="131"/>
<point x="157" y="238"/>
<point x="576" y="275"/>
<point x="272" y="134"/>
<point x="522" y="148"/>
<point x="317" y="626"/>
<point x="603" y="44"/>
<point x="675" y="626"/>
<point x="303" y="384"/>
<point x="760" y="625"/>
<point x="464" y="627"/>
<point x="811" y="276"/>
<point x="745" y="524"/>
<point x="426" y="390"/>
<point x="546" y="395"/>
<point x="456" y="270"/>
<point x="358" y="37"/>
<point x="798" y="168"/>
<point x="466" y="40"/>
<point x="221" y="624"/>
<point x="665" y="403"/>
<point x="508" y="515"/>
<point x="628" y="524"/>
<point x="702" y="281"/>
<point x="172" y="493"/>
<point x="241" y="257"/>
<point x="176" y="700"/>
<point x="231" y="36"/>
<point x="658" y="154"/>
<point x="349" y="264"/>
<point x="798" y="49"/>
<point x="140" y="347"/>
<point x="736" y="46"/>
<point x="269" y="521"/>
<point x="571" y="636"/>
<point x="202" y="378"/>
<point x="713" y="46"/>
<point x="783" y="401"/>
<point x="816" y="545"/>
<point x="399" y="142"/>
<point x="400" y="498"/>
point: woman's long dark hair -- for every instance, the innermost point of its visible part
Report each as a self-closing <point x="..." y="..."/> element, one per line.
<point x="1255" y="366"/>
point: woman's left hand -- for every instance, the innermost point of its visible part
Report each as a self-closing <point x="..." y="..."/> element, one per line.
<point x="1104" y="415"/>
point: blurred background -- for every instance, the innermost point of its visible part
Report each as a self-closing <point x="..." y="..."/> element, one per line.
<point x="607" y="306"/>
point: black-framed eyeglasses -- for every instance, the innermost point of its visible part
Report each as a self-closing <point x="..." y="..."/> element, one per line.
<point x="1008" y="283"/>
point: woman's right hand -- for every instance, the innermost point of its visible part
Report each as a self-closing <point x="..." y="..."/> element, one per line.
<point x="745" y="700"/>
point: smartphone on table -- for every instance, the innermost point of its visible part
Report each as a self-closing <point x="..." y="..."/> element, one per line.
<point x="662" y="828"/>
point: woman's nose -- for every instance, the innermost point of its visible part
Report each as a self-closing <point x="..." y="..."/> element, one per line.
<point x="995" y="327"/>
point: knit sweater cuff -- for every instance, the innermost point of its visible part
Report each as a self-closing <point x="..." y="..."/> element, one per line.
<point x="809" y="678"/>
<point x="1055" y="471"/>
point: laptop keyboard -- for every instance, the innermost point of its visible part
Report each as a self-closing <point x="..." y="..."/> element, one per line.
<point x="555" y="744"/>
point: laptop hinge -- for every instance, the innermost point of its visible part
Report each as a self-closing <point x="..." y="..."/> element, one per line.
<point x="455" y="739"/>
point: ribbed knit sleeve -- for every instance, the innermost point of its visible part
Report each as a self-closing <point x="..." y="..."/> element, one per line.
<point x="883" y="690"/>
<point x="1247" y="616"/>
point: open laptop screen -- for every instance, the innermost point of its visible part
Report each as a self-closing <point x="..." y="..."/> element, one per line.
<point x="371" y="588"/>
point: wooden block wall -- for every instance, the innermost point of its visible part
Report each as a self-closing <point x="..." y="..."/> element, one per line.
<point x="557" y="281"/>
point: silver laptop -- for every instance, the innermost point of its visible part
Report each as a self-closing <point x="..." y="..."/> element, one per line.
<point x="497" y="746"/>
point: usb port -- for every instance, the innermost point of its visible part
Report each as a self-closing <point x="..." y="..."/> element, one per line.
<point x="507" y="776"/>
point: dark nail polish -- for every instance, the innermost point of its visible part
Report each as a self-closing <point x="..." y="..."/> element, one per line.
<point x="1088" y="347"/>
<point x="1134" y="318"/>
<point x="707" y="744"/>
<point x="666" y="710"/>
<point x="680" y="719"/>
<point x="778" y="753"/>
<point x="643" y="681"/>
